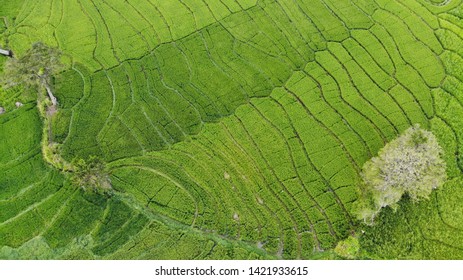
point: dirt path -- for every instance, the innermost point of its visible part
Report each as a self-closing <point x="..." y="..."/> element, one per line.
<point x="51" y="111"/>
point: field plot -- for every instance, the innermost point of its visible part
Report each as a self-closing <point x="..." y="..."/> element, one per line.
<point x="231" y="129"/>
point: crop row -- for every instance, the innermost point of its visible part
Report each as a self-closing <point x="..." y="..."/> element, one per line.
<point x="432" y="229"/>
<point x="325" y="121"/>
<point x="150" y="103"/>
<point x="269" y="109"/>
<point x="87" y="29"/>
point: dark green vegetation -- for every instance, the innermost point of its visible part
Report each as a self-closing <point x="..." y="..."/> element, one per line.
<point x="231" y="128"/>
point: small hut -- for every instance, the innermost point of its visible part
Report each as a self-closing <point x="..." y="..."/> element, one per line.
<point x="6" y="52"/>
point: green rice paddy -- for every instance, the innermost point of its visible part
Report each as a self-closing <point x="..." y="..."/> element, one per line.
<point x="232" y="129"/>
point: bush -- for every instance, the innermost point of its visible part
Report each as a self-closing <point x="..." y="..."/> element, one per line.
<point x="411" y="164"/>
<point x="348" y="248"/>
<point x="91" y="175"/>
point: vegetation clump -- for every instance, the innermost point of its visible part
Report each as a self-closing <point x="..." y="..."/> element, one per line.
<point x="91" y="175"/>
<point x="348" y="248"/>
<point x="34" y="69"/>
<point x="411" y="164"/>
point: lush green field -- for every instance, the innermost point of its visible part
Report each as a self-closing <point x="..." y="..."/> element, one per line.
<point x="232" y="129"/>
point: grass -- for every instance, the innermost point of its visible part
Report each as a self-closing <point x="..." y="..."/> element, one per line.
<point x="232" y="129"/>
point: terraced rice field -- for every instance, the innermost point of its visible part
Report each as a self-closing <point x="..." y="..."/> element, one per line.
<point x="232" y="129"/>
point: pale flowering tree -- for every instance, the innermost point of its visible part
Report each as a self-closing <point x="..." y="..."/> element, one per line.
<point x="411" y="164"/>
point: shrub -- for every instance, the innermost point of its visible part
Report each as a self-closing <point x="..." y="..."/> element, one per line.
<point x="348" y="248"/>
<point x="91" y="175"/>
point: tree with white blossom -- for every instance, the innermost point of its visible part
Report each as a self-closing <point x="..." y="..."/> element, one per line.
<point x="412" y="164"/>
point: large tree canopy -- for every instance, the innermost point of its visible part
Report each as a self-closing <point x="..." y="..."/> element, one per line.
<point x="410" y="164"/>
<point x="34" y="69"/>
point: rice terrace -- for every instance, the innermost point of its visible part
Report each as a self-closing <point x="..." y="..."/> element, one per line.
<point x="231" y="129"/>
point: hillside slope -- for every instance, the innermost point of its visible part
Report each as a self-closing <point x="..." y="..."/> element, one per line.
<point x="233" y="129"/>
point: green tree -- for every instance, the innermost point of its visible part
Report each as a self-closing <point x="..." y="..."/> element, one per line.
<point x="91" y="174"/>
<point x="34" y="69"/>
<point x="411" y="164"/>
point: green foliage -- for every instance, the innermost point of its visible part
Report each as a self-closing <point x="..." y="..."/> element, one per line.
<point x="10" y="9"/>
<point x="348" y="248"/>
<point x="91" y="175"/>
<point x="411" y="164"/>
<point x="33" y="69"/>
<point x="77" y="217"/>
<point x="430" y="229"/>
<point x="236" y="130"/>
